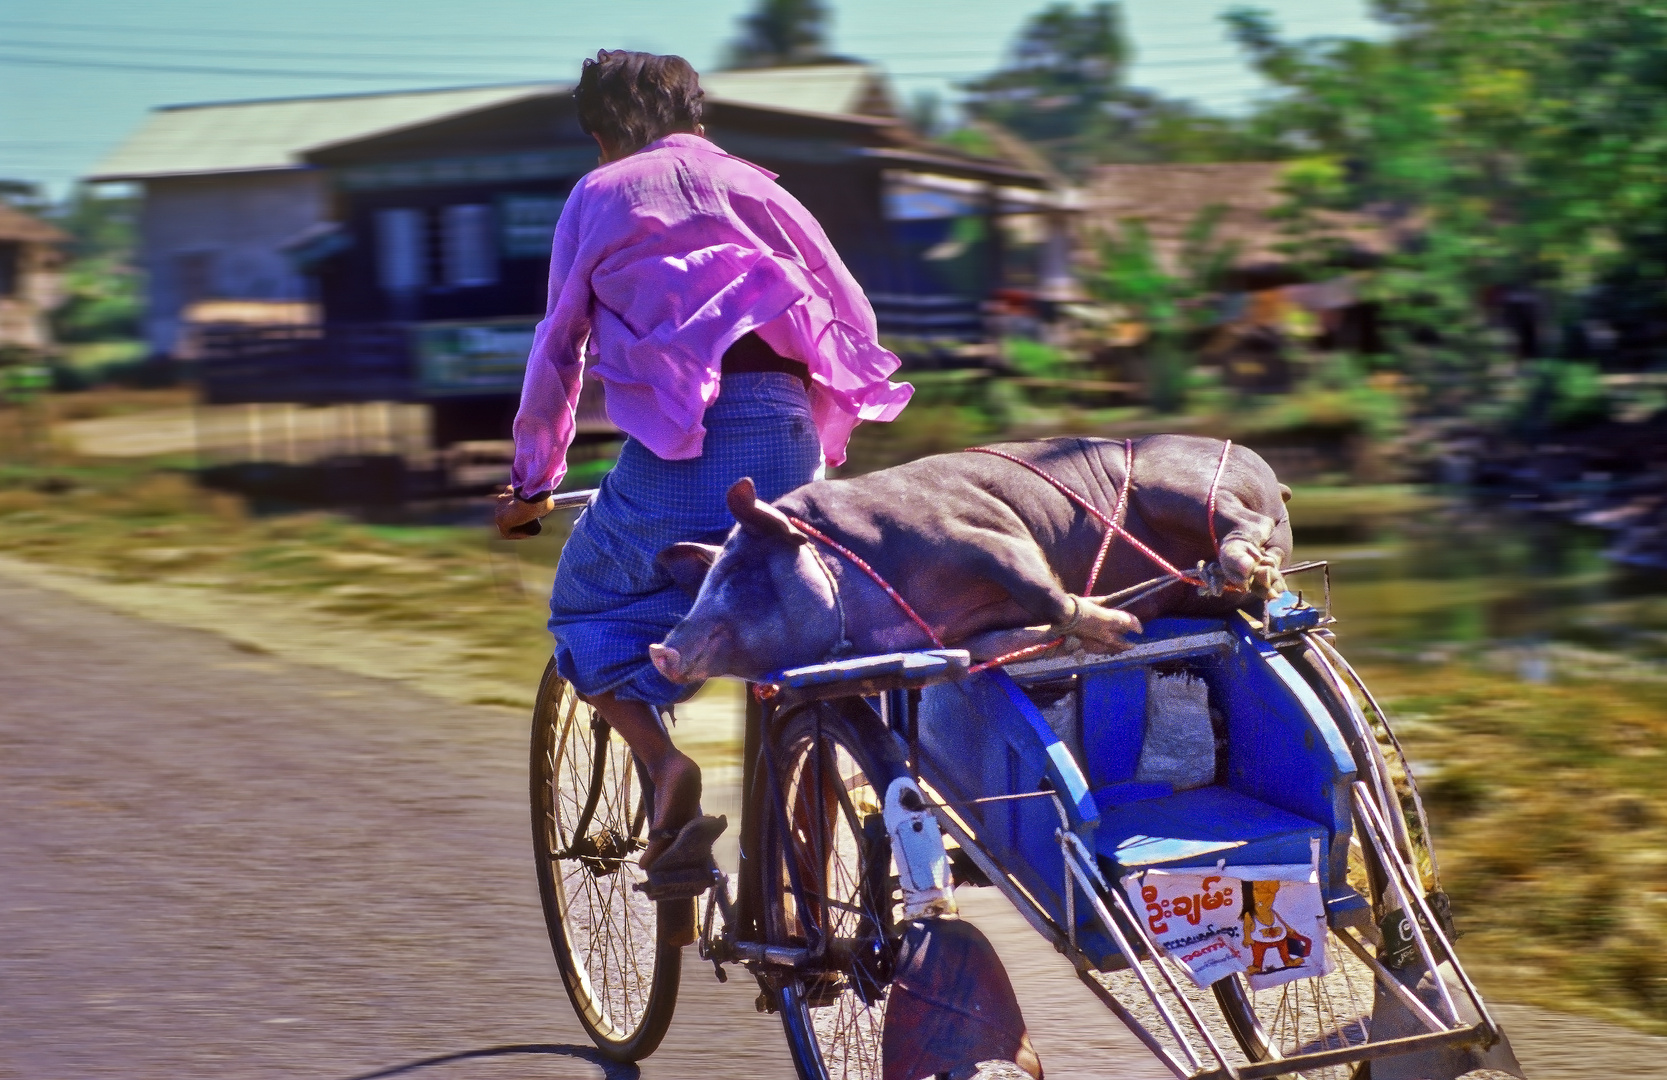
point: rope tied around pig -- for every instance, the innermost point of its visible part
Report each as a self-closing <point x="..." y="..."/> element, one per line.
<point x="1113" y="529"/>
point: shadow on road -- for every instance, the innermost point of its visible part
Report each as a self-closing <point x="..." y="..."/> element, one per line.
<point x="611" y="1070"/>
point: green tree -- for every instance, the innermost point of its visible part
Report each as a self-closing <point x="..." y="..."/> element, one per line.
<point x="778" y="33"/>
<point x="1063" y="88"/>
<point x="102" y="288"/>
<point x="1171" y="302"/>
<point x="25" y="195"/>
<point x="1519" y="143"/>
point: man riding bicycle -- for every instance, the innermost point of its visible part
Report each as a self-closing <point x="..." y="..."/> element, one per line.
<point x="732" y="342"/>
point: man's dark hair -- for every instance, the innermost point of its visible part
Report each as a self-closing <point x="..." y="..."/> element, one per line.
<point x="634" y="98"/>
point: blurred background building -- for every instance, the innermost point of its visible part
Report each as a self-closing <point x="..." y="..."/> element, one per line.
<point x="31" y="264"/>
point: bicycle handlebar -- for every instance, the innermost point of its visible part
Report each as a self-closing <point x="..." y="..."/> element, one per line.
<point x="567" y="500"/>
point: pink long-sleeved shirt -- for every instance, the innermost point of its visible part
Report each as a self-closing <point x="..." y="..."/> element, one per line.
<point x="661" y="261"/>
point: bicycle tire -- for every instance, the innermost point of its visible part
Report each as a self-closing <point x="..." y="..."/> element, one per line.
<point x="588" y="827"/>
<point x="833" y="1017"/>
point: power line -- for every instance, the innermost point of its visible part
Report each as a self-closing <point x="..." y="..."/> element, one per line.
<point x="189" y="69"/>
<point x="127" y="49"/>
<point x="449" y="38"/>
<point x="184" y="69"/>
<point x="260" y="54"/>
<point x="245" y="32"/>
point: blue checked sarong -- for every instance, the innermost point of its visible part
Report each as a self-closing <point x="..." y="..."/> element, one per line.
<point x="611" y="600"/>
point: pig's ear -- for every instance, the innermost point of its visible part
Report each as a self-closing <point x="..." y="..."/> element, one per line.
<point x="688" y="564"/>
<point x="760" y="519"/>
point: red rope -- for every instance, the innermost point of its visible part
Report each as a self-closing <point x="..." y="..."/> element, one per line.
<point x="1016" y="654"/>
<point x="1215" y="482"/>
<point x="1117" y="511"/>
<point x="857" y="561"/>
<point x="1095" y="512"/>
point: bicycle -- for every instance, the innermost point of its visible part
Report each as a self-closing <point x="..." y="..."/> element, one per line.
<point x="1044" y="807"/>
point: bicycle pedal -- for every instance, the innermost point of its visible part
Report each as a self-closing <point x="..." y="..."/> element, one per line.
<point x="678" y="883"/>
<point x="685" y="869"/>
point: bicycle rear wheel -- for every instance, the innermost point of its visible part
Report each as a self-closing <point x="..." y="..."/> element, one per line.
<point x="590" y="813"/>
<point x="1332" y="1011"/>
<point x="828" y="877"/>
<point x="1328" y="1012"/>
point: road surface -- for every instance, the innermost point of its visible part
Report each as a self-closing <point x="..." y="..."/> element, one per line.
<point x="215" y="863"/>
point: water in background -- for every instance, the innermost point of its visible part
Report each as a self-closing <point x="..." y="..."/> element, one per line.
<point x="1463" y="579"/>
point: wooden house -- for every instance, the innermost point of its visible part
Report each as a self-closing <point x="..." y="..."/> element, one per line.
<point x="424" y="241"/>
<point x="31" y="260"/>
<point x="224" y="189"/>
<point x="1267" y="296"/>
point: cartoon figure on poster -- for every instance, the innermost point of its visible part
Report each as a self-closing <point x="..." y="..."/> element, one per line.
<point x="1265" y="922"/>
<point x="1284" y="928"/>
<point x="1265" y="929"/>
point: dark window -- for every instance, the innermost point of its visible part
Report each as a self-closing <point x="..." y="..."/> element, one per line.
<point x="402" y="241"/>
<point x="11" y="267"/>
<point x="194" y="272"/>
<point x="469" y="250"/>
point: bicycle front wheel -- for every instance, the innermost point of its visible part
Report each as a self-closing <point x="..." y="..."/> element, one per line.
<point x="829" y="879"/>
<point x="590" y="813"/>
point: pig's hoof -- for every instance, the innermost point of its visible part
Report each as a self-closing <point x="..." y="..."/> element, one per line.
<point x="1266" y="580"/>
<point x="1097" y="647"/>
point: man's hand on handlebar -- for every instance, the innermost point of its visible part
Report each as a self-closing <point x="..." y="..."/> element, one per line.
<point x="518" y="520"/>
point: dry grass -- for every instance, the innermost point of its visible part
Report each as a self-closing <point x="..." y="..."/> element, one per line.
<point x="1550" y="819"/>
<point x="130" y="526"/>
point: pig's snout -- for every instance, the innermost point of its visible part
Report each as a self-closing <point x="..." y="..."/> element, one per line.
<point x="668" y="662"/>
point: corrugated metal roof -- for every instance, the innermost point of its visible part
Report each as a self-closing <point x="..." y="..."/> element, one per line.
<point x="819" y="88"/>
<point x="255" y="135"/>
<point x="246" y="136"/>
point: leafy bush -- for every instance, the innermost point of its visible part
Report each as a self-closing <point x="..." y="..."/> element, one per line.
<point x="1562" y="394"/>
<point x="103" y="302"/>
<point x="1036" y="358"/>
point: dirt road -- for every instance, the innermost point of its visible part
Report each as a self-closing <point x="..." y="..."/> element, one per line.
<point x="216" y="863"/>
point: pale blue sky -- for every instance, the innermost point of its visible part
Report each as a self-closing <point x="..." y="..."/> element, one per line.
<point x="78" y="75"/>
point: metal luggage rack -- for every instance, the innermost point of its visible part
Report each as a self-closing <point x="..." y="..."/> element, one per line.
<point x="1290" y="614"/>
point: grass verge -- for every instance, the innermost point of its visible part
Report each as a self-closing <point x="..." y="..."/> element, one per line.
<point x="1550" y="822"/>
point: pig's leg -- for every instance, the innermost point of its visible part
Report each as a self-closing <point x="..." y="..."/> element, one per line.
<point x="993" y="643"/>
<point x="1020" y="568"/>
<point x="1251" y="554"/>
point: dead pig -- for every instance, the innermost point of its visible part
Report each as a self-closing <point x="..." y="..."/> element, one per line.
<point x="985" y="550"/>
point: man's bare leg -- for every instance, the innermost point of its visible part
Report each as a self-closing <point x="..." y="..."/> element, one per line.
<point x="675" y="775"/>
<point x="676" y="795"/>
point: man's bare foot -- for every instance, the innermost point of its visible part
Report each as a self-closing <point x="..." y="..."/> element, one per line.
<point x="676" y="803"/>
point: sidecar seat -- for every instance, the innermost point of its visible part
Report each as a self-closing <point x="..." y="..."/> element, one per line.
<point x="1281" y="778"/>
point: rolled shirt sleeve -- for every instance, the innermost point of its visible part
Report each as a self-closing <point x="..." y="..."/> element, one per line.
<point x="545" y="421"/>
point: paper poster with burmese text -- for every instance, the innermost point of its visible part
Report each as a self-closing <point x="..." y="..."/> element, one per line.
<point x="1265" y="922"/>
<point x="1195" y="917"/>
